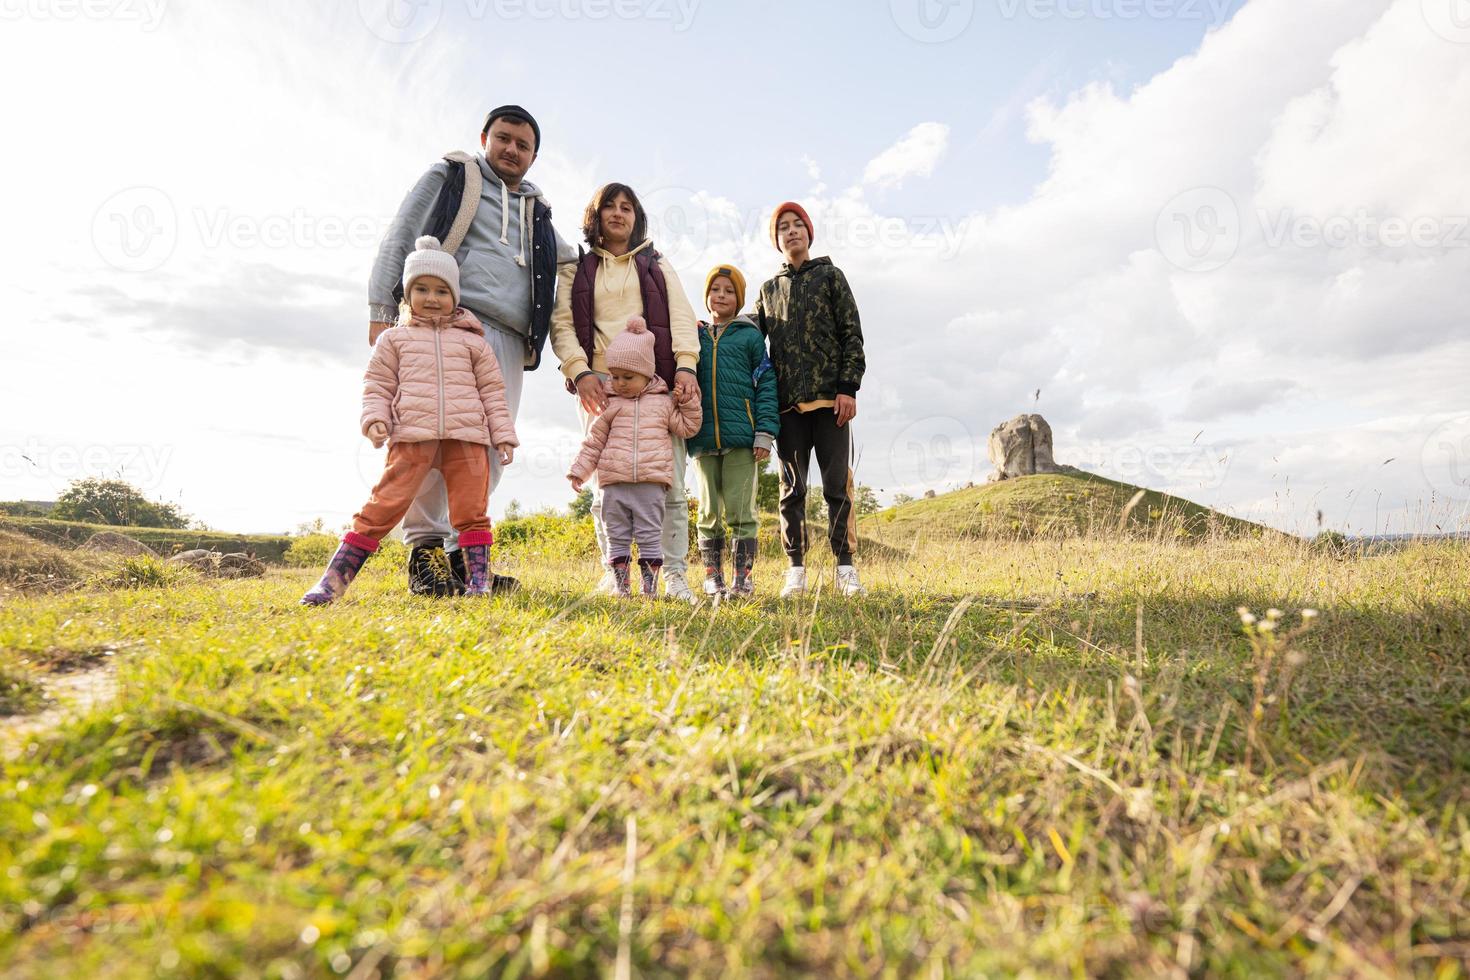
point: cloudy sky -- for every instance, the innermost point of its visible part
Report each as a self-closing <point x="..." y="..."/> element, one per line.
<point x="1222" y="247"/>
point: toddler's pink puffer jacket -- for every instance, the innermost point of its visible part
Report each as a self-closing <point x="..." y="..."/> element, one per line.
<point x="629" y="442"/>
<point x="437" y="378"/>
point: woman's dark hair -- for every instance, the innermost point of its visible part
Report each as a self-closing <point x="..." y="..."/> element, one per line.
<point x="592" y="218"/>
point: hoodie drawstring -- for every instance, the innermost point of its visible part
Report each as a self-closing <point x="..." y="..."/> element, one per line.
<point x="520" y="223"/>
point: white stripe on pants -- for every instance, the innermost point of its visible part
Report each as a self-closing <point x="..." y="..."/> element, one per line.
<point x="428" y="515"/>
<point x="676" y="507"/>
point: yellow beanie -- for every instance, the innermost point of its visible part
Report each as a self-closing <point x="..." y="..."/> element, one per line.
<point x="731" y="273"/>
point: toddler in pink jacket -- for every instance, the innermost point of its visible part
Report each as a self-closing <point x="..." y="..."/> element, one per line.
<point x="629" y="450"/>
<point x="434" y="393"/>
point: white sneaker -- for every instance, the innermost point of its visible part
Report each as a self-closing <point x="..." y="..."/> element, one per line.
<point x="847" y="581"/>
<point x="795" y="583"/>
<point x="676" y="587"/>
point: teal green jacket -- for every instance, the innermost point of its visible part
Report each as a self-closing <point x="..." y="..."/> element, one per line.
<point x="737" y="389"/>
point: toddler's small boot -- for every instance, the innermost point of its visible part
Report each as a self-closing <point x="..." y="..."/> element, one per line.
<point x="712" y="550"/>
<point x="650" y="567"/>
<point x="499" y="584"/>
<point x="341" y="570"/>
<point x="744" y="586"/>
<point x="622" y="588"/>
<point x="475" y="546"/>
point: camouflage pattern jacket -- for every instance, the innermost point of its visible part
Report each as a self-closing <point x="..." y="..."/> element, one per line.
<point x="811" y="319"/>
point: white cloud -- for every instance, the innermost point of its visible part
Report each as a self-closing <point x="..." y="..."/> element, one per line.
<point x="916" y="155"/>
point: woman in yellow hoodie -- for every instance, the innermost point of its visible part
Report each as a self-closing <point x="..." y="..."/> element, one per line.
<point x="624" y="276"/>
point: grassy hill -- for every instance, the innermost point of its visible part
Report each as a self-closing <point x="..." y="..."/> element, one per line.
<point x="1066" y="504"/>
<point x="166" y="541"/>
<point x="1009" y="758"/>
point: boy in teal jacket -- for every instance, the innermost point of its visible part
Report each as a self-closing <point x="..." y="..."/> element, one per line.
<point x="741" y="421"/>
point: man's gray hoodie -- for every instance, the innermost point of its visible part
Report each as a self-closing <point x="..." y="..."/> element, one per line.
<point x="494" y="260"/>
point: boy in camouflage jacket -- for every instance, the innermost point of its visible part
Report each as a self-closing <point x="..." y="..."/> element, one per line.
<point x="808" y="313"/>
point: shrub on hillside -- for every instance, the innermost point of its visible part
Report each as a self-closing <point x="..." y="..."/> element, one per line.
<point x="143" y="572"/>
<point x="114" y="502"/>
<point x="553" y="535"/>
<point x="311" y="550"/>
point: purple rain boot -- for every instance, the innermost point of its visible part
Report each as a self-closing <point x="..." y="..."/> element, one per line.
<point x="476" y="548"/>
<point x="649" y="568"/>
<point x="341" y="570"/>
<point x="622" y="588"/>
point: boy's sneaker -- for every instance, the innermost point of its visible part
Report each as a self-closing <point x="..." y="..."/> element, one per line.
<point x="847" y="581"/>
<point x="795" y="583"/>
<point x="430" y="572"/>
<point x="676" y="587"/>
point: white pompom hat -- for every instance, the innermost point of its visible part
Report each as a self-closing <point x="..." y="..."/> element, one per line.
<point x="428" y="258"/>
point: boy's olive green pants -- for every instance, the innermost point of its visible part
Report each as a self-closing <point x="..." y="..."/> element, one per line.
<point x="727" y="493"/>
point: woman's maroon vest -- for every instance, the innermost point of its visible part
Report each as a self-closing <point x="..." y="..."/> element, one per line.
<point x="655" y="291"/>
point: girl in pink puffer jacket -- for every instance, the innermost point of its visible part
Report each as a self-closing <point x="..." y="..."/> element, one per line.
<point x="628" y="447"/>
<point x="434" y="393"/>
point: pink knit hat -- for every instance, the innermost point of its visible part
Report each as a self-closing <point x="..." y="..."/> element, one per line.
<point x="428" y="258"/>
<point x="632" y="350"/>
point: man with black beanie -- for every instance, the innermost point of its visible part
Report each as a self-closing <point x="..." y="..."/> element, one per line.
<point x="498" y="227"/>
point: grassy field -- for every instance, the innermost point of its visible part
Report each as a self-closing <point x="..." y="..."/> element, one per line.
<point x="1069" y="756"/>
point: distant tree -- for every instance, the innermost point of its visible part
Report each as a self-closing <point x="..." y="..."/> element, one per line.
<point x="115" y="502"/>
<point x="307" y="528"/>
<point x="514" y="511"/>
<point x="768" y="488"/>
<point x="24" y="508"/>
<point x="867" y="501"/>
<point x="582" y="506"/>
<point x="899" y="499"/>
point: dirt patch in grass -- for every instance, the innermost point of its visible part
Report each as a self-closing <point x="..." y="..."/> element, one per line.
<point x="50" y="700"/>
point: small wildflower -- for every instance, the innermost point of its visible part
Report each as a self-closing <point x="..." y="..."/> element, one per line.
<point x="1309" y="614"/>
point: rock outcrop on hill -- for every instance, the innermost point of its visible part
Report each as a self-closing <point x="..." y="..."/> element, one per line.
<point x="1021" y="447"/>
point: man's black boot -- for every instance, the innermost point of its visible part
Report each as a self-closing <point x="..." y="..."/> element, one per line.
<point x="430" y="572"/>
